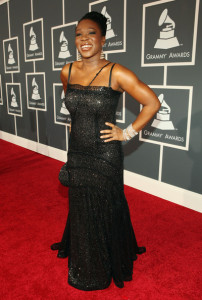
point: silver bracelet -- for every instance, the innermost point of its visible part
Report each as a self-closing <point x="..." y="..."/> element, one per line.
<point x="129" y="133"/>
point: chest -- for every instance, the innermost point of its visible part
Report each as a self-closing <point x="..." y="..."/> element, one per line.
<point x="96" y="100"/>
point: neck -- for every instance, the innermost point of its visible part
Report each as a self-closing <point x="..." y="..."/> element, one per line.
<point x="92" y="62"/>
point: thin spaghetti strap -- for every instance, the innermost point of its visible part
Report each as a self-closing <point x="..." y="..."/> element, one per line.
<point x="70" y="67"/>
<point x="110" y="75"/>
<point x="99" y="72"/>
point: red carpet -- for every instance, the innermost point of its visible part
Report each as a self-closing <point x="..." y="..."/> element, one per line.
<point x="33" y="214"/>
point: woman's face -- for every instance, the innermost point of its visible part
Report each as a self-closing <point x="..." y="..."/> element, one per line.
<point x="89" y="40"/>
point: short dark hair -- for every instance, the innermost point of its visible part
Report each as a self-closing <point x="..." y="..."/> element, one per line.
<point x="98" y="18"/>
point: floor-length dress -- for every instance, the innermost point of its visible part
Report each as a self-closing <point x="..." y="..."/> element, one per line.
<point x="98" y="237"/>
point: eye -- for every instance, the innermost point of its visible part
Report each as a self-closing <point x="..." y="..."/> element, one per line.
<point x="78" y="34"/>
<point x="92" y="32"/>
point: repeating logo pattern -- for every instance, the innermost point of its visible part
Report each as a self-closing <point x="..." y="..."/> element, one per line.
<point x="166" y="37"/>
<point x="14" y="102"/>
<point x="61" y="113"/>
<point x="36" y="91"/>
<point x="33" y="40"/>
<point x="63" y="45"/>
<point x="171" y="125"/>
<point x="11" y="55"/>
<point x="116" y="23"/>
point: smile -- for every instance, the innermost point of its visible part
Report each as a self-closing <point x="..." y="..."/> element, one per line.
<point x="86" y="47"/>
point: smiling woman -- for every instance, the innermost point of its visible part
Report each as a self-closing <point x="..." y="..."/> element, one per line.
<point x="89" y="36"/>
<point x="99" y="238"/>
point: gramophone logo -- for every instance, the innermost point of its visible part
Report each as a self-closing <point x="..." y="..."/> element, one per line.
<point x="33" y="40"/>
<point x="63" y="45"/>
<point x="110" y="32"/>
<point x="171" y="124"/>
<point x="169" y="32"/>
<point x="11" y="59"/>
<point x="13" y="95"/>
<point x="35" y="91"/>
<point x="63" y="109"/>
<point x="116" y="23"/>
<point x="162" y="120"/>
<point x="11" y="55"/>
<point x="64" y="52"/>
<point x="33" y="46"/>
<point x="61" y="113"/>
<point x="167" y="37"/>
<point x="13" y="98"/>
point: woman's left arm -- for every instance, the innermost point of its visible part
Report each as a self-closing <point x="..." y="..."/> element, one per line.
<point x="125" y="80"/>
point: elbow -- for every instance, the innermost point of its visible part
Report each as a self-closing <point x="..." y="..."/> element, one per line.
<point x="157" y="105"/>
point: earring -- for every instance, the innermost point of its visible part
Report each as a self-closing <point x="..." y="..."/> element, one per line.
<point x="79" y="57"/>
<point x="102" y="55"/>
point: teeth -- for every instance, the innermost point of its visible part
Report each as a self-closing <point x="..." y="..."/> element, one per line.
<point x="86" y="46"/>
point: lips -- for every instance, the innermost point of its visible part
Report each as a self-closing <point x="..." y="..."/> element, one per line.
<point x="86" y="47"/>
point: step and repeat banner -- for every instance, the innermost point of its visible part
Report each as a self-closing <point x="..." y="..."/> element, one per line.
<point x="158" y="36"/>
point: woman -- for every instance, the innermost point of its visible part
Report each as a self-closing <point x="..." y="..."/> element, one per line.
<point x="99" y="237"/>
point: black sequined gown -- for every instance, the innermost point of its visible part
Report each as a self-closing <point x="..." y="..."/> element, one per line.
<point x="99" y="236"/>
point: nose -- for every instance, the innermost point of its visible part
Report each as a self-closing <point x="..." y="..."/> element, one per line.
<point x="84" y="37"/>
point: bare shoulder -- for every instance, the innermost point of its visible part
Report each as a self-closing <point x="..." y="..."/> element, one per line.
<point x="123" y="78"/>
<point x="65" y="70"/>
<point x="120" y="70"/>
<point x="65" y="73"/>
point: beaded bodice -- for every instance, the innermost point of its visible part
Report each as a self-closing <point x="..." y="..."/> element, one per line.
<point x="90" y="107"/>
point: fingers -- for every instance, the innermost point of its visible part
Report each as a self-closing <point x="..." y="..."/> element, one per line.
<point x="106" y="136"/>
<point x="109" y="131"/>
<point x="109" y="140"/>
<point x="109" y="124"/>
<point x="106" y="131"/>
<point x="112" y="133"/>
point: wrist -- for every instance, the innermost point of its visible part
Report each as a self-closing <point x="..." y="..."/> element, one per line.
<point x="129" y="133"/>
